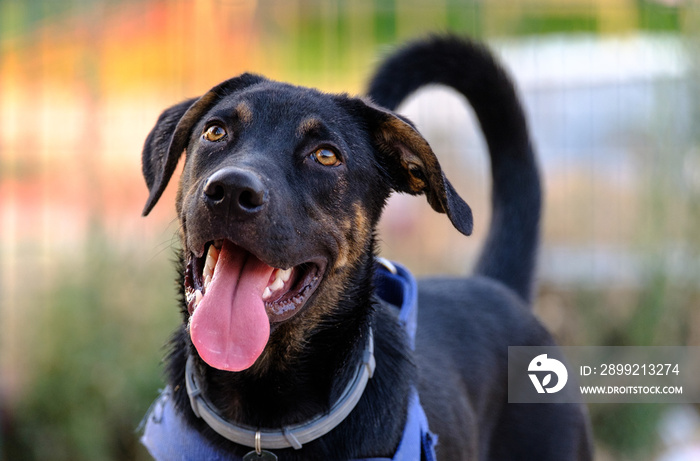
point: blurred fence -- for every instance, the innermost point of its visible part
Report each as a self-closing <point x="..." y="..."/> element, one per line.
<point x="86" y="293"/>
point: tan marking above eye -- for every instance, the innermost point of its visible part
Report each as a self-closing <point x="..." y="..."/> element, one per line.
<point x="308" y="126"/>
<point x="214" y="133"/>
<point x="244" y="112"/>
<point x="326" y="157"/>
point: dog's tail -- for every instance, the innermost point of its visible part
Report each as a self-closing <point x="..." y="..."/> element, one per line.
<point x="511" y="245"/>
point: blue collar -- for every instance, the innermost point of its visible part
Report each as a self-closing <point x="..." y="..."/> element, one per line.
<point x="168" y="437"/>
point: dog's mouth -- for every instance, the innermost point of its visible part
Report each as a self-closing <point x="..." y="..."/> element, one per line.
<point x="284" y="294"/>
<point x="233" y="297"/>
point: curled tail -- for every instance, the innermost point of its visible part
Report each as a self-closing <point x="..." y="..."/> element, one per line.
<point x="511" y="245"/>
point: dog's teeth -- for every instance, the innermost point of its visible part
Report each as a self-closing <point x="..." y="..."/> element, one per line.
<point x="210" y="264"/>
<point x="207" y="281"/>
<point x="284" y="274"/>
<point x="276" y="285"/>
<point x="208" y="267"/>
<point x="214" y="253"/>
<point x="281" y="277"/>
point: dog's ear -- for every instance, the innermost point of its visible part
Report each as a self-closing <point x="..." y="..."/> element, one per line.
<point x="411" y="163"/>
<point x="157" y="163"/>
<point x="169" y="137"/>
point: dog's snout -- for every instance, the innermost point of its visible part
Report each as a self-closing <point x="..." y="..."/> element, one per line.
<point x="235" y="191"/>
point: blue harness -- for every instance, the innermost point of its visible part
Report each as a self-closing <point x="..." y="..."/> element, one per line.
<point x="168" y="437"/>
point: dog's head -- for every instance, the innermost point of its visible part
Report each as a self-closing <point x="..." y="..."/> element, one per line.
<point x="281" y="192"/>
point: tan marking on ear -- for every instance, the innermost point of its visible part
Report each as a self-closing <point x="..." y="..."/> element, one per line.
<point x="414" y="151"/>
<point x="244" y="112"/>
<point x="307" y="126"/>
<point x="411" y="162"/>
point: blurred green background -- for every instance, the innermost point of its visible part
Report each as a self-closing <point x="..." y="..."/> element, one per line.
<point x="86" y="284"/>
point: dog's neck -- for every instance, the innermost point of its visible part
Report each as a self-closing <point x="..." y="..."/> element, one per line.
<point x="288" y="436"/>
<point x="307" y="382"/>
<point x="281" y="395"/>
<point x="296" y="384"/>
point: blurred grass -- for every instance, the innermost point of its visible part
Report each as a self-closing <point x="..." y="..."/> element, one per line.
<point x="95" y="357"/>
<point x="662" y="311"/>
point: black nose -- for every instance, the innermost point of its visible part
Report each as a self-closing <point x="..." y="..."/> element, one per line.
<point x="235" y="191"/>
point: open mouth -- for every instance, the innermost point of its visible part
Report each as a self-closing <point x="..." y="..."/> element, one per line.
<point x="233" y="297"/>
<point x="284" y="294"/>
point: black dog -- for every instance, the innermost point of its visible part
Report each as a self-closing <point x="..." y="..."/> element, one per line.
<point x="285" y="307"/>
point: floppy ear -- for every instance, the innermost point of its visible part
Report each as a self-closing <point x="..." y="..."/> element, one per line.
<point x="169" y="137"/>
<point x="411" y="164"/>
<point x="156" y="163"/>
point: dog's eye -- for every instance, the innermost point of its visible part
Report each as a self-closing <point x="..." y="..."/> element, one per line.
<point x="326" y="157"/>
<point x="214" y="133"/>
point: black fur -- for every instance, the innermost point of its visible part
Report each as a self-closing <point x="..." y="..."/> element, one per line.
<point x="328" y="216"/>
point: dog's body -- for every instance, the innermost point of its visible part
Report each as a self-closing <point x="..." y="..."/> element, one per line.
<point x="280" y="177"/>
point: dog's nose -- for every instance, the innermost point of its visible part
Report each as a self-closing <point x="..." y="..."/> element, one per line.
<point x="235" y="191"/>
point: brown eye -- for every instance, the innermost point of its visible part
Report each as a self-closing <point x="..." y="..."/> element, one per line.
<point x="214" y="133"/>
<point x="326" y="157"/>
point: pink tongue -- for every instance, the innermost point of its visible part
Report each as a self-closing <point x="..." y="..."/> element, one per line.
<point x="230" y="327"/>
